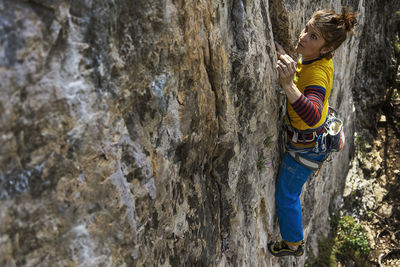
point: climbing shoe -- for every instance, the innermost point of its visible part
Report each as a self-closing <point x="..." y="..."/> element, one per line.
<point x="280" y="249"/>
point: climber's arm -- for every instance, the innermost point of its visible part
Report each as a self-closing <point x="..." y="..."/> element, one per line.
<point x="291" y="91"/>
<point x="287" y="68"/>
<point x="308" y="105"/>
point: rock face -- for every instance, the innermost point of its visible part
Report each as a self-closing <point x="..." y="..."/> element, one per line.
<point x="149" y="132"/>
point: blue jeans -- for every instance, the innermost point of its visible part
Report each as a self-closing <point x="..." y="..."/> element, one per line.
<point x="291" y="178"/>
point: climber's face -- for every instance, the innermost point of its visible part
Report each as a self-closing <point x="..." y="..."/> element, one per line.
<point x="311" y="42"/>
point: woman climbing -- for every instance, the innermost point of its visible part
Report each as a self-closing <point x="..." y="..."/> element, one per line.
<point x="307" y="86"/>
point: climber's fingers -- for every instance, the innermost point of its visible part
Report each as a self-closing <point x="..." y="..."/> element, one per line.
<point x="288" y="65"/>
<point x="291" y="64"/>
<point x="287" y="59"/>
<point x="279" y="49"/>
<point x="281" y="65"/>
<point x="281" y="72"/>
<point x="283" y="69"/>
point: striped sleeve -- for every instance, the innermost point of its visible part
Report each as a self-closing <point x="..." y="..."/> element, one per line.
<point x="309" y="106"/>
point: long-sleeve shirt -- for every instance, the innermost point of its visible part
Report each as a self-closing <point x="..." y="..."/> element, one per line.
<point x="314" y="80"/>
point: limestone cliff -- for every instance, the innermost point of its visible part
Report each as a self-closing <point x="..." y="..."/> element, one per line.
<point x="149" y="132"/>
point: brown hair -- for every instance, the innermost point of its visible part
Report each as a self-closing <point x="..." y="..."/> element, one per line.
<point x="334" y="27"/>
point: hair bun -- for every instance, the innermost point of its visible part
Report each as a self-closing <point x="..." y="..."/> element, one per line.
<point x="349" y="19"/>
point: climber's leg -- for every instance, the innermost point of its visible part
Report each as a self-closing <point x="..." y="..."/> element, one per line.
<point x="291" y="178"/>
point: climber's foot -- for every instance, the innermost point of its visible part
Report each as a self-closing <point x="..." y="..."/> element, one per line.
<point x="280" y="249"/>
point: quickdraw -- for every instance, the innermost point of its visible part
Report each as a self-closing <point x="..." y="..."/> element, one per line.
<point x="332" y="140"/>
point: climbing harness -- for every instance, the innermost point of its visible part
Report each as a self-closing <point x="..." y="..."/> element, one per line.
<point x="310" y="164"/>
<point x="303" y="136"/>
<point x="328" y="138"/>
<point x="306" y="136"/>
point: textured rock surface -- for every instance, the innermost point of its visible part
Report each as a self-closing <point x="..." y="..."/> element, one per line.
<point x="148" y="132"/>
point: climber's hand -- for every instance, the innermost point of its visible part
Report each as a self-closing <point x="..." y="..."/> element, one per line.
<point x="287" y="68"/>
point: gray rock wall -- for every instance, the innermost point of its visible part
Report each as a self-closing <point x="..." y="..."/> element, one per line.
<point x="148" y="132"/>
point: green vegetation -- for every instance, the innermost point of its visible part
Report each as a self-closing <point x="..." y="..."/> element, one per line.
<point x="348" y="242"/>
<point x="351" y="240"/>
<point x="359" y="140"/>
<point x="326" y="257"/>
<point x="261" y="164"/>
<point x="397" y="47"/>
<point x="397" y="41"/>
<point x="268" y="141"/>
<point x="361" y="144"/>
<point x="262" y="161"/>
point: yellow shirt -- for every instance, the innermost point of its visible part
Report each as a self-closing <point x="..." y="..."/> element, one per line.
<point x="318" y="73"/>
